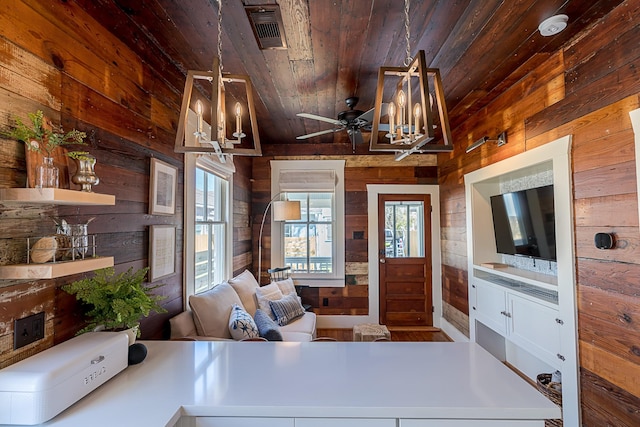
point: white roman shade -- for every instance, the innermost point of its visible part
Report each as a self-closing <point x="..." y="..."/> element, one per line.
<point x="309" y="181"/>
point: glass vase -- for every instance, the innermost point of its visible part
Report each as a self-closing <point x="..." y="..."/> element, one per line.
<point x="47" y="175"/>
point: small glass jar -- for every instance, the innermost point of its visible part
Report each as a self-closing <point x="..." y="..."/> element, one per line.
<point x="47" y="174"/>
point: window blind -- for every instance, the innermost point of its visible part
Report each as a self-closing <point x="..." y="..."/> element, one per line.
<point x="307" y="180"/>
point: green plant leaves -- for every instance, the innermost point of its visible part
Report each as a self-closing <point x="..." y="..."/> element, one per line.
<point x="116" y="300"/>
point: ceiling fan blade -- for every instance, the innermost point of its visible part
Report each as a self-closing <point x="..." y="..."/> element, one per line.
<point x="367" y="116"/>
<point x="322" y="119"/>
<point x="355" y="136"/>
<point x="322" y="132"/>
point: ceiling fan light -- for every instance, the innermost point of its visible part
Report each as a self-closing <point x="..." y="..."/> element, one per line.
<point x="553" y="25"/>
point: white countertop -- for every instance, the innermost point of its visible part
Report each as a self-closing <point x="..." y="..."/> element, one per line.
<point x="316" y="379"/>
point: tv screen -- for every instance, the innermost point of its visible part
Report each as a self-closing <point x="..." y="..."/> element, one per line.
<point x="524" y="223"/>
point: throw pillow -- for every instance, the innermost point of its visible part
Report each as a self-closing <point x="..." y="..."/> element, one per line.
<point x="267" y="328"/>
<point x="241" y="324"/>
<point x="245" y="286"/>
<point x="286" y="309"/>
<point x="267" y="293"/>
<point x="211" y="310"/>
<point x="286" y="286"/>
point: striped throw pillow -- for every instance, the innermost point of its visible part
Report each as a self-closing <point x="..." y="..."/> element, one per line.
<point x="286" y="309"/>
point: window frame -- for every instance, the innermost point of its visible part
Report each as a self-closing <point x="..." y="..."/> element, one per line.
<point x="224" y="171"/>
<point x="337" y="277"/>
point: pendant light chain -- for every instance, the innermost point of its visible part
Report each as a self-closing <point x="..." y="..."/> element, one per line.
<point x="220" y="34"/>
<point x="407" y="36"/>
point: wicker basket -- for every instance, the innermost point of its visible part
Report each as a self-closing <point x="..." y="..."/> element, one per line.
<point x="545" y="386"/>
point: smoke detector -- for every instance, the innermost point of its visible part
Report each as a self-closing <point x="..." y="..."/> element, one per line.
<point x="552" y="26"/>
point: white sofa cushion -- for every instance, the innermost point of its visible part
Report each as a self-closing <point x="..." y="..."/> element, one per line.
<point x="267" y="293"/>
<point x="245" y="286"/>
<point x="211" y="310"/>
<point x="305" y="324"/>
<point x="241" y="324"/>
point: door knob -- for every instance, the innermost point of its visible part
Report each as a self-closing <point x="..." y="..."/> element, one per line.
<point x="382" y="260"/>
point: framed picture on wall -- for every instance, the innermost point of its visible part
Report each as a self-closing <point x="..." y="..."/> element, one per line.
<point x="162" y="188"/>
<point x="162" y="251"/>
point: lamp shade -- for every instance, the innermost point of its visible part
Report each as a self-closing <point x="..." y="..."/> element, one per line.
<point x="285" y="210"/>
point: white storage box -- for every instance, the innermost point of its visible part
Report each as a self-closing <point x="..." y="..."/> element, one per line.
<point x="38" y="388"/>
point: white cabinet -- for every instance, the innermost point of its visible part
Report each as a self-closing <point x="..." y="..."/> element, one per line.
<point x="471" y="423"/>
<point x="243" y="422"/>
<point x="535" y="327"/>
<point x="490" y="306"/>
<point x="345" y="422"/>
<point x="292" y="422"/>
<point x="529" y="323"/>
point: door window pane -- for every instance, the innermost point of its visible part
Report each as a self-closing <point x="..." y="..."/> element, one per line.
<point x="404" y="229"/>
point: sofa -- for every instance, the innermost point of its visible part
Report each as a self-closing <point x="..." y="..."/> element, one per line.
<point x="241" y="309"/>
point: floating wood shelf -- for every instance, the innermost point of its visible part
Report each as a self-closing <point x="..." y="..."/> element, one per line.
<point x="56" y="196"/>
<point x="53" y="270"/>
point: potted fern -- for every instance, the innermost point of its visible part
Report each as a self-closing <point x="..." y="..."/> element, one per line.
<point x="116" y="301"/>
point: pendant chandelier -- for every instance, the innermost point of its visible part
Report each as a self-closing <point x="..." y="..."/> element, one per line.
<point x="205" y="126"/>
<point x="407" y="98"/>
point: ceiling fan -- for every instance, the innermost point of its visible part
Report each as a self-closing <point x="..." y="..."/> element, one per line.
<point x="351" y="120"/>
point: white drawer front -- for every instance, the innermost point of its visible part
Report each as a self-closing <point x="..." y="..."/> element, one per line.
<point x="243" y="422"/>
<point x="471" y="423"/>
<point x="345" y="422"/>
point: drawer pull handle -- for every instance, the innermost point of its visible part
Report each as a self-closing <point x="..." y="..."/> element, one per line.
<point x="559" y="321"/>
<point x="97" y="360"/>
<point x="561" y="357"/>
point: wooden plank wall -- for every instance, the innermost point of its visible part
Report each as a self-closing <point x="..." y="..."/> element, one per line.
<point x="56" y="58"/>
<point x="585" y="89"/>
<point x="360" y="170"/>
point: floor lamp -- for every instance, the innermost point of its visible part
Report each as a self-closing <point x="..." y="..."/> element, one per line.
<point x="283" y="210"/>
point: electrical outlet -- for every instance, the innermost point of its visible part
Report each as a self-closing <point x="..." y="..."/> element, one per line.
<point x="28" y="330"/>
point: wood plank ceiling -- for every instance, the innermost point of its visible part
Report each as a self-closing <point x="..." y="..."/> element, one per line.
<point x="335" y="48"/>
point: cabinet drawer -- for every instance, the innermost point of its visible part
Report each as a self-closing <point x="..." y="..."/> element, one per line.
<point x="471" y="423"/>
<point x="345" y="422"/>
<point x="243" y="422"/>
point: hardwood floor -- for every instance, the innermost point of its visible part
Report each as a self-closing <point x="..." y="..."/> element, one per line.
<point x="397" y="334"/>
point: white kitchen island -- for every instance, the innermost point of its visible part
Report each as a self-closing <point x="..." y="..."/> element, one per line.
<point x="266" y="384"/>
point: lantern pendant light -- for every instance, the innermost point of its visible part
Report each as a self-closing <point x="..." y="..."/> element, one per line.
<point x="229" y="92"/>
<point x="405" y="106"/>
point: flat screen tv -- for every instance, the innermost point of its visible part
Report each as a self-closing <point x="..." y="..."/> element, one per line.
<point x="524" y="223"/>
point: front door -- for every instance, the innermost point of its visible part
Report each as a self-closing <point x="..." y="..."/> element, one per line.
<point x="404" y="254"/>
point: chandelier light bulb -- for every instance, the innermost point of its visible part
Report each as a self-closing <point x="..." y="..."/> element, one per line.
<point x="417" y="112"/>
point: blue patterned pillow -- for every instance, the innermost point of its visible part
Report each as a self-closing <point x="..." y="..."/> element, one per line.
<point x="286" y="309"/>
<point x="241" y="324"/>
<point x="267" y="327"/>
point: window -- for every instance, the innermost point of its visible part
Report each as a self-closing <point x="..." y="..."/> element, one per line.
<point x="312" y="246"/>
<point x="207" y="223"/>
<point x="210" y="229"/>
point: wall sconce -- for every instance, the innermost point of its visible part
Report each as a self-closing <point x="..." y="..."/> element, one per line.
<point x="501" y="140"/>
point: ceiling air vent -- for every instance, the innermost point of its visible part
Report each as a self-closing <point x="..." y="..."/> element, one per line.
<point x="266" y="23"/>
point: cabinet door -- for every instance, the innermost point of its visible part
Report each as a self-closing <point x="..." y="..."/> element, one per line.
<point x="533" y="326"/>
<point x="243" y="422"/>
<point x="471" y="423"/>
<point x="491" y="306"/>
<point x="345" y="422"/>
